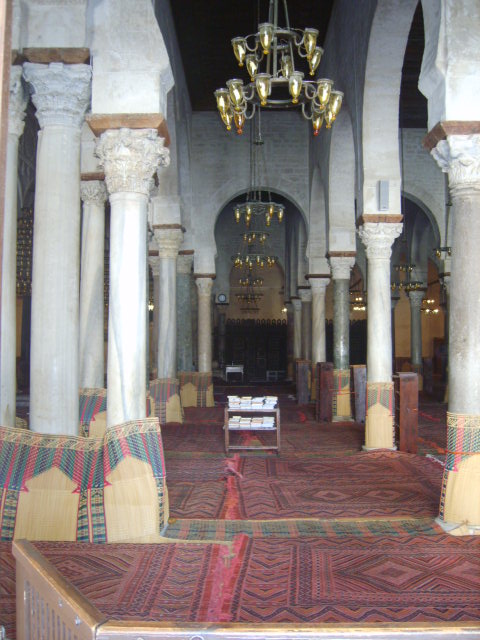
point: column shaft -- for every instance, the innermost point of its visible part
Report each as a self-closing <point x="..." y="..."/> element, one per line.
<point x="8" y="359"/>
<point x="184" y="314"/>
<point x="416" y="298"/>
<point x="306" y="339"/>
<point x="319" y="348"/>
<point x="297" y="328"/>
<point x="204" y="287"/>
<point x="61" y="95"/>
<point x="91" y="345"/>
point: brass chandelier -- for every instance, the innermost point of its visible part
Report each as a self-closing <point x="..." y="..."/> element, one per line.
<point x="275" y="80"/>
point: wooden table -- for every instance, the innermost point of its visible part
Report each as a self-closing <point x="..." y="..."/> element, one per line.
<point x="251" y="412"/>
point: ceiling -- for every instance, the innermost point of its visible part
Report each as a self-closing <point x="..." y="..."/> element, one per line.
<point x="205" y="27"/>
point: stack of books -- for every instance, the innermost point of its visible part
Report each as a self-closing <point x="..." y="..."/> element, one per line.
<point x="270" y="402"/>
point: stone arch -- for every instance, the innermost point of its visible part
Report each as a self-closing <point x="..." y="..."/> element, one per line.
<point x="341" y="186"/>
<point x="386" y="49"/>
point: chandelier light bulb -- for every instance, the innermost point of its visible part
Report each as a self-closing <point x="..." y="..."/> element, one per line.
<point x="317" y="121"/>
<point x="263" y="85"/>
<point x="265" y="33"/>
<point x="235" y="88"/>
<point x="323" y="92"/>
<point x="295" y="85"/>
<point x="314" y="61"/>
<point x="310" y="41"/>
<point x="280" y="214"/>
<point x="239" y="119"/>
<point x="227" y="118"/>
<point x="335" y="103"/>
<point x="239" y="49"/>
<point x="252" y="65"/>
<point x="237" y="214"/>
<point x="223" y="100"/>
<point x="287" y="66"/>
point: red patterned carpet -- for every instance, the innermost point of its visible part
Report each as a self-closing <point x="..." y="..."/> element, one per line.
<point x="394" y="579"/>
<point x="376" y="484"/>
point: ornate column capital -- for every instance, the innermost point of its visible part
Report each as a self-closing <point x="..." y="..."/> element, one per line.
<point x="204" y="285"/>
<point x="17" y="102"/>
<point x="93" y="192"/>
<point x="459" y="156"/>
<point x="296" y="304"/>
<point x="416" y="298"/>
<point x="319" y="285"/>
<point x="154" y="263"/>
<point x="305" y="294"/>
<point x="168" y="240"/>
<point x="130" y="157"/>
<point x="61" y="92"/>
<point x="378" y="238"/>
<point x="184" y="263"/>
<point x="341" y="267"/>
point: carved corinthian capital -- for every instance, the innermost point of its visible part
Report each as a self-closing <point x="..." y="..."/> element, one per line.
<point x="130" y="157"/>
<point x="378" y="238"/>
<point x="341" y="267"/>
<point x="459" y="156"/>
<point x="204" y="286"/>
<point x="93" y="191"/>
<point x="17" y="103"/>
<point x="61" y="92"/>
<point x="168" y="241"/>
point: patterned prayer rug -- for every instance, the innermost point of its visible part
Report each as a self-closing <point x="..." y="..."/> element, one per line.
<point x="228" y="529"/>
<point x="365" y="485"/>
<point x="386" y="579"/>
<point x="7" y="589"/>
<point x="307" y="580"/>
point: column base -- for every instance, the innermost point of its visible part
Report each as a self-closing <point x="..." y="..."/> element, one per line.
<point x="341" y="403"/>
<point x="379" y="425"/>
<point x="365" y="448"/>
<point x="342" y="419"/>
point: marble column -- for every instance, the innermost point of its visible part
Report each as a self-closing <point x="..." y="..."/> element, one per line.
<point x="297" y="329"/>
<point x="8" y="352"/>
<point x="459" y="155"/>
<point x="341" y="267"/>
<point x="290" y="340"/>
<point x="306" y="298"/>
<point x="154" y="264"/>
<point x="204" y="287"/>
<point x="61" y="95"/>
<point x="91" y="345"/>
<point x="416" y="298"/>
<point x="222" y="335"/>
<point x="168" y="241"/>
<point x="378" y="238"/>
<point x="319" y="346"/>
<point x="129" y="158"/>
<point x="184" y="312"/>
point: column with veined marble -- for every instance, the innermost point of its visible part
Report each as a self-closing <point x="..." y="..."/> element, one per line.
<point x="129" y="158"/>
<point x="61" y="95"/>
<point x="169" y="239"/>
<point x="378" y="238"/>
<point x="305" y="294"/>
<point x="459" y="155"/>
<point x="416" y="297"/>
<point x="297" y="328"/>
<point x="341" y="267"/>
<point x="184" y="311"/>
<point x="91" y="345"/>
<point x="319" y="348"/>
<point x="154" y="264"/>
<point x="204" y="284"/>
<point x="16" y="116"/>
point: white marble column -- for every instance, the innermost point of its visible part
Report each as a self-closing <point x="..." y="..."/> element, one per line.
<point x="297" y="329"/>
<point x="61" y="95"/>
<point x="184" y="312"/>
<point x="129" y="158"/>
<point x="319" y="346"/>
<point x="378" y="238"/>
<point x="8" y="353"/>
<point x="154" y="263"/>
<point x="204" y="288"/>
<point x="91" y="345"/>
<point x="305" y="294"/>
<point x="168" y="241"/>
<point x="459" y="155"/>
<point x="416" y="298"/>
